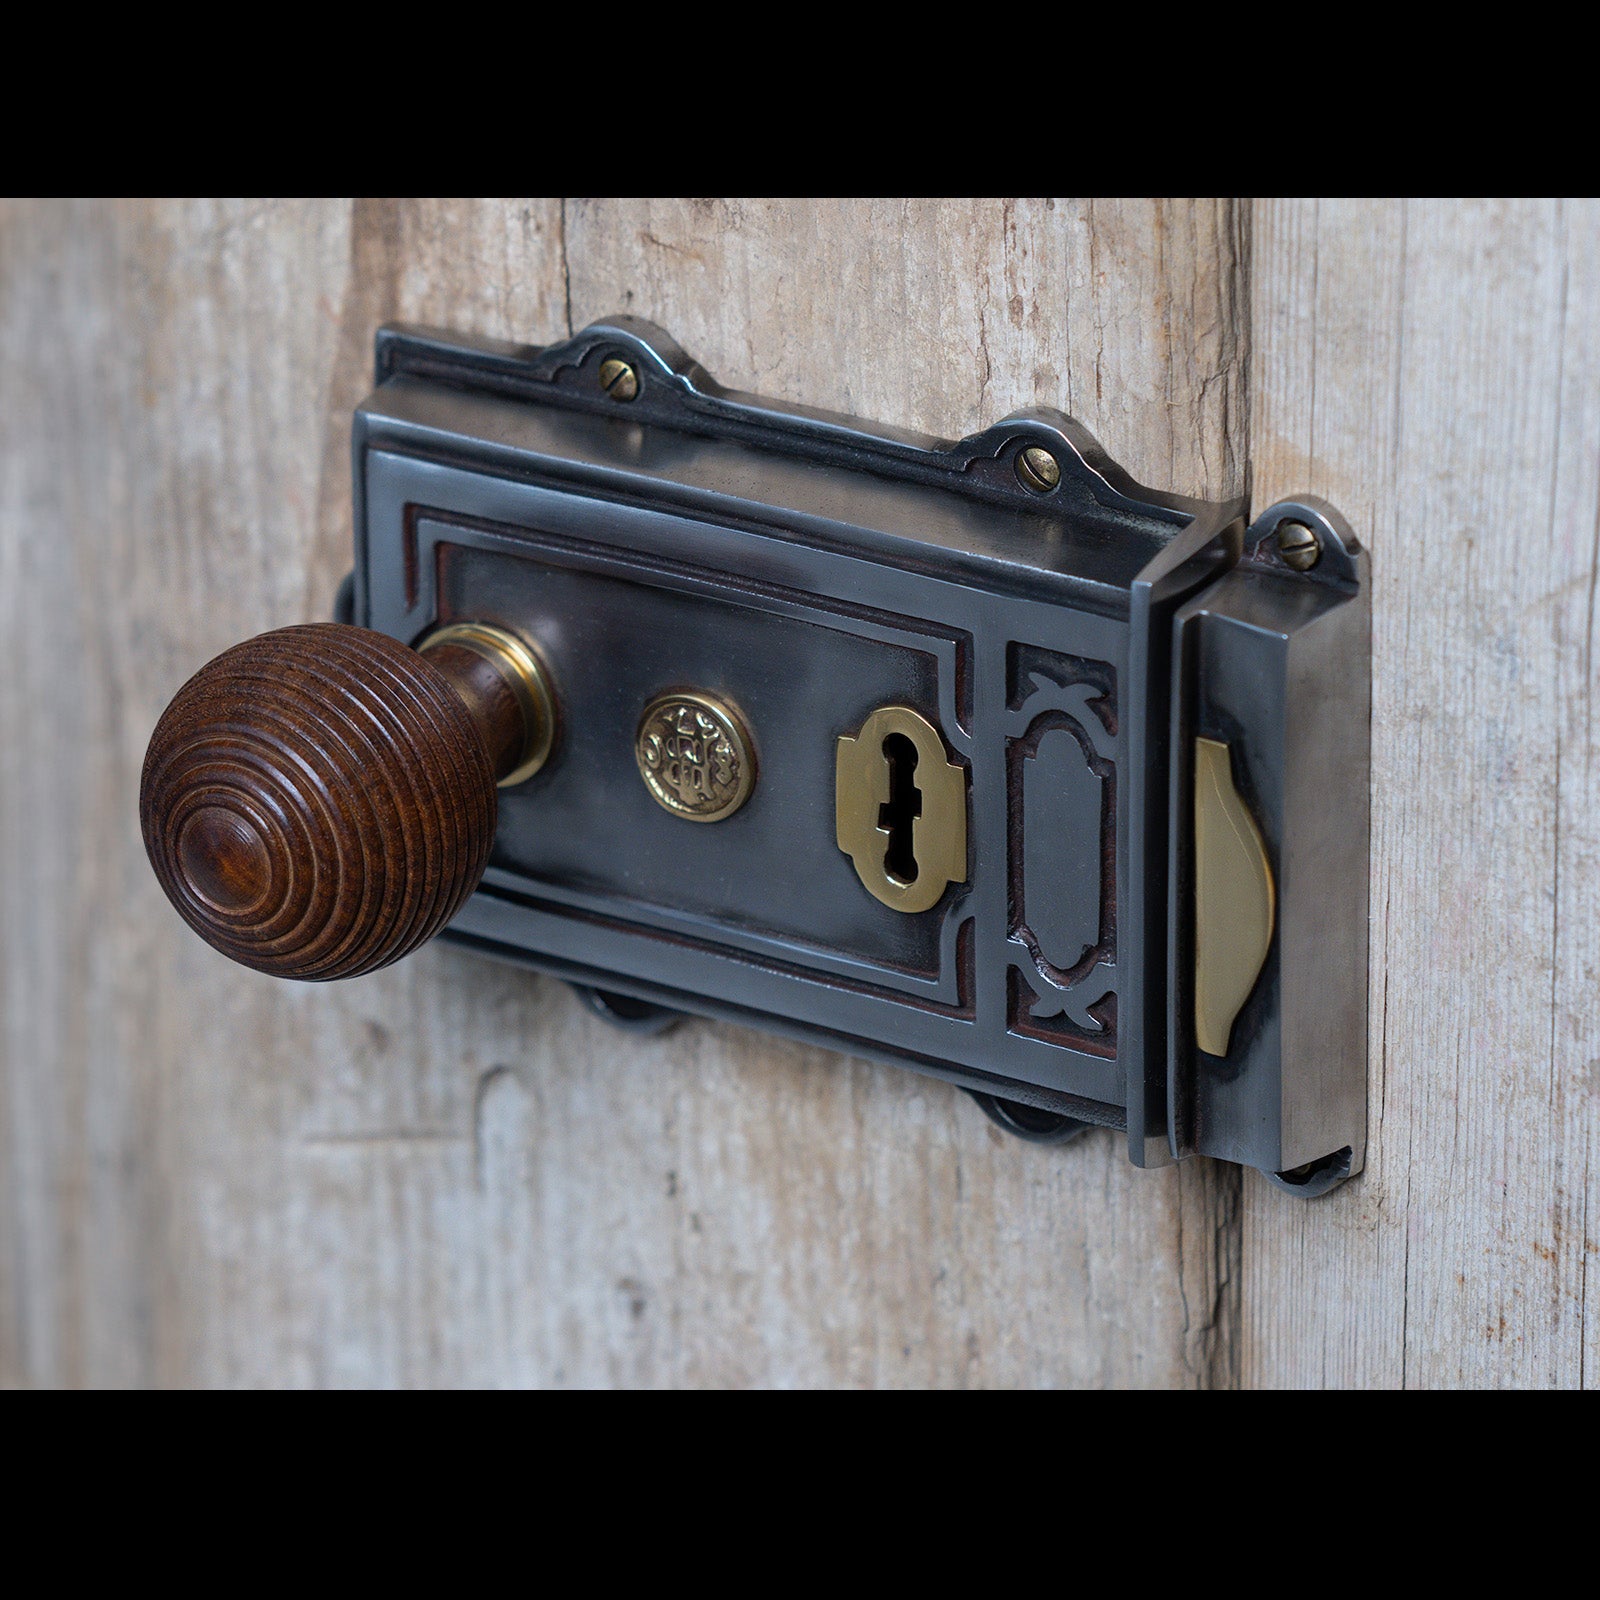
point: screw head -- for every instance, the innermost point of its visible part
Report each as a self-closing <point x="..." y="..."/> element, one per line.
<point x="1299" y="546"/>
<point x="1038" y="469"/>
<point x="618" y="379"/>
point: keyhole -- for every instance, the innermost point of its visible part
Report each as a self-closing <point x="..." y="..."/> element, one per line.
<point x="903" y="806"/>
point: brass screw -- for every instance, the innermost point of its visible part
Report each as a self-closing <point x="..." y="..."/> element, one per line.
<point x="618" y="379"/>
<point x="1038" y="469"/>
<point x="1299" y="546"/>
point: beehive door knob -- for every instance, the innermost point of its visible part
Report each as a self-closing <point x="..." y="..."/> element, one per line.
<point x="318" y="801"/>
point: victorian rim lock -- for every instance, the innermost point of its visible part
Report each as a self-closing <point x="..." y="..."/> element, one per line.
<point x="979" y="757"/>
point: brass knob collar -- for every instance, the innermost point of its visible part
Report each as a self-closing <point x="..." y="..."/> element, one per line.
<point x="525" y="674"/>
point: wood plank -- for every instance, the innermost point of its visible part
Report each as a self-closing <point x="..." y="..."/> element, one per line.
<point x="1434" y="370"/>
<point x="449" y="1173"/>
<point x="946" y="316"/>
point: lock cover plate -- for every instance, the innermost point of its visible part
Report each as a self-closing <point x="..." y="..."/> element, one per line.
<point x="657" y="535"/>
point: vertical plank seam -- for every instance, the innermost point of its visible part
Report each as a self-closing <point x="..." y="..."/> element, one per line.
<point x="1223" y="1367"/>
<point x="566" y="267"/>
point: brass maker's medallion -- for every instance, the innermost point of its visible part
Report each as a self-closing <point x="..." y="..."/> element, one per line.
<point x="694" y="755"/>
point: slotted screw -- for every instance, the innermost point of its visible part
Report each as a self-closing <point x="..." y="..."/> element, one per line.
<point x="1299" y="546"/>
<point x="618" y="379"/>
<point x="1038" y="469"/>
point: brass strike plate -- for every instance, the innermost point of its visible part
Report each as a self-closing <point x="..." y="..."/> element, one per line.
<point x="1008" y="768"/>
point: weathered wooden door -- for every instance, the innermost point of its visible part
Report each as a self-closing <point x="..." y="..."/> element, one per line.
<point x="449" y="1173"/>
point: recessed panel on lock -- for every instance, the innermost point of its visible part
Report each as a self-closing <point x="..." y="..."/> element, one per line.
<point x="974" y="756"/>
<point x="589" y="829"/>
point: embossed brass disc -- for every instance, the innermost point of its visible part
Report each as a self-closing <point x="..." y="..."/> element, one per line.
<point x="694" y="755"/>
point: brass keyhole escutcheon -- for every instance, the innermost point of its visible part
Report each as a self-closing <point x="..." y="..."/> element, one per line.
<point x="901" y="809"/>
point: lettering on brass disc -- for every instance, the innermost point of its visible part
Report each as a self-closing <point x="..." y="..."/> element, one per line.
<point x="694" y="756"/>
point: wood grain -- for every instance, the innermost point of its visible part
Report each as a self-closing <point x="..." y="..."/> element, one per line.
<point x="448" y="1172"/>
<point x="1434" y="369"/>
<point x="319" y="801"/>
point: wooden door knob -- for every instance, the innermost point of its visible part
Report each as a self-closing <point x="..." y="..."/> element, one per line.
<point x="320" y="800"/>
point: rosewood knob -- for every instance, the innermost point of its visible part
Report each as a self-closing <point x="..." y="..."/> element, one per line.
<point x="320" y="800"/>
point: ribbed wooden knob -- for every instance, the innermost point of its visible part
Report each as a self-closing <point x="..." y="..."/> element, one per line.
<point x="319" y="801"/>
